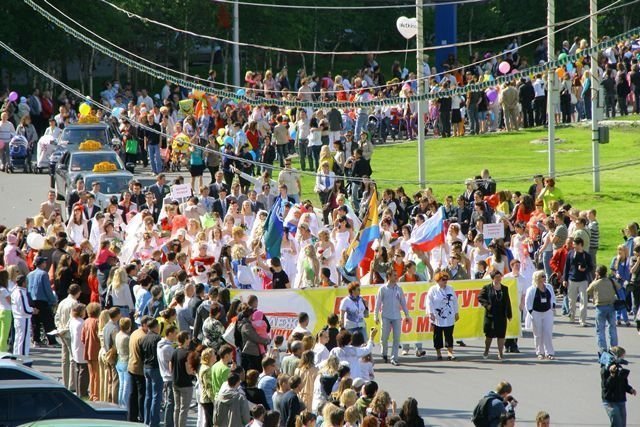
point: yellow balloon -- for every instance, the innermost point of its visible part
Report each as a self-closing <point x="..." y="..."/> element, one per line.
<point x="85" y="109"/>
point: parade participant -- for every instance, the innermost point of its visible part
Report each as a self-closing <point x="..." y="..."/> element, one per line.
<point x="540" y="302"/>
<point x="494" y="297"/>
<point x="442" y="309"/>
<point x="390" y="301"/>
<point x="62" y="318"/>
<point x="42" y="299"/>
<point x="22" y="313"/>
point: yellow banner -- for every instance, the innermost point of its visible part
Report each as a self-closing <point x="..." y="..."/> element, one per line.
<point x="282" y="308"/>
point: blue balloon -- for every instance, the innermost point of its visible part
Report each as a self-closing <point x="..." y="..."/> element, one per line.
<point x="228" y="140"/>
<point x="570" y="67"/>
<point x="116" y="112"/>
<point x="293" y="134"/>
<point x="240" y="92"/>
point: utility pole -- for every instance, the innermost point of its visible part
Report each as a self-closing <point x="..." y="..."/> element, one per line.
<point x="422" y="161"/>
<point x="551" y="87"/>
<point x="236" y="47"/>
<point x="595" y="86"/>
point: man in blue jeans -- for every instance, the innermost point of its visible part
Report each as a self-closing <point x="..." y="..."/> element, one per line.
<point x="152" y="376"/>
<point x="603" y="290"/>
<point x="152" y="143"/>
<point x="389" y="303"/>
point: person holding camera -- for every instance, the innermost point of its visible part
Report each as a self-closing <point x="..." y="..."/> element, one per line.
<point x="615" y="387"/>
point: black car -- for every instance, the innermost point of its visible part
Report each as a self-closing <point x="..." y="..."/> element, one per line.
<point x="25" y="401"/>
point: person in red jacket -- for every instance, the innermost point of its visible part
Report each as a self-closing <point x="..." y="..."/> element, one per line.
<point x="557" y="263"/>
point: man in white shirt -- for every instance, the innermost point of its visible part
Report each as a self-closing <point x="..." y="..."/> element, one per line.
<point x="101" y="199"/>
<point x="146" y="99"/>
<point x="7" y="131"/>
<point x="539" y="102"/>
<point x="63" y="314"/>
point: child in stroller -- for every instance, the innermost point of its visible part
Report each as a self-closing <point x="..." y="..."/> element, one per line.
<point x="19" y="154"/>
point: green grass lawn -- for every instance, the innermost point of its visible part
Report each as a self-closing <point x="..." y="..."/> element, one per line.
<point x="512" y="159"/>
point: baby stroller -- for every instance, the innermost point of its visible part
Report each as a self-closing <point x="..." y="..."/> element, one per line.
<point x="19" y="156"/>
<point x="373" y="129"/>
<point x="45" y="148"/>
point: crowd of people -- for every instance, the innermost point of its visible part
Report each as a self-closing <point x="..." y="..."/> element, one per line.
<point x="137" y="287"/>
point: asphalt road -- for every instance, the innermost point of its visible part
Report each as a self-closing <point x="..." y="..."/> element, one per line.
<point x="568" y="387"/>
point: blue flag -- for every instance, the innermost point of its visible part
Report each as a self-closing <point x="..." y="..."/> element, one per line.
<point x="274" y="229"/>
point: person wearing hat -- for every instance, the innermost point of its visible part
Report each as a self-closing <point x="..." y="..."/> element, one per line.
<point x="42" y="297"/>
<point x="22" y="312"/>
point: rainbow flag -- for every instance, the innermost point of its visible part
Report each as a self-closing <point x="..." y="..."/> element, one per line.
<point x="369" y="231"/>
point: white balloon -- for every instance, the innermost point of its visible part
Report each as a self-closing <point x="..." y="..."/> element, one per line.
<point x="408" y="27"/>
<point x="35" y="241"/>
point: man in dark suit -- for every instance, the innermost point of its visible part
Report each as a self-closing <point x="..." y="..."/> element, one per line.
<point x="75" y="195"/>
<point x="221" y="205"/>
<point x="90" y="208"/>
<point x="151" y="205"/>
<point x="255" y="204"/>
<point x="137" y="196"/>
<point x="160" y="188"/>
<point x="462" y="215"/>
<point x="218" y="184"/>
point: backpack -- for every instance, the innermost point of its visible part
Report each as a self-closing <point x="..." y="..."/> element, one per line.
<point x="480" y="417"/>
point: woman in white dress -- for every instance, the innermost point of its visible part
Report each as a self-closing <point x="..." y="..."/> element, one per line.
<point x="216" y="242"/>
<point x="248" y="216"/>
<point x="478" y="253"/>
<point x="341" y="236"/>
<point x="325" y="251"/>
<point x="288" y="256"/>
<point x="77" y="226"/>
<point x="520" y="244"/>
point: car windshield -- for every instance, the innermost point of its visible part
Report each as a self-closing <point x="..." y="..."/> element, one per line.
<point x="74" y="136"/>
<point x="109" y="184"/>
<point x="86" y="161"/>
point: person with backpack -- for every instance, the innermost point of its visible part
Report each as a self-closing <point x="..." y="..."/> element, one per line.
<point x="492" y="406"/>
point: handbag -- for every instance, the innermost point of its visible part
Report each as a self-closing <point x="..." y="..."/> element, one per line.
<point x="108" y="299"/>
<point x="618" y="304"/>
<point x="132" y="146"/>
<point x="229" y="334"/>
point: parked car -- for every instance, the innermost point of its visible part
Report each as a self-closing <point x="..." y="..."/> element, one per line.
<point x="81" y="423"/>
<point x="74" y="163"/>
<point x="15" y="370"/>
<point x="23" y="360"/>
<point x="28" y="401"/>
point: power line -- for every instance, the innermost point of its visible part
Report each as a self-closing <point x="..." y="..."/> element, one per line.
<point x="314" y="52"/>
<point x="369" y="7"/>
<point x="349" y="104"/>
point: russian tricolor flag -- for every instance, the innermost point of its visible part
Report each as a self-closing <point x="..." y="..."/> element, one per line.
<point x="369" y="231"/>
<point x="430" y="234"/>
